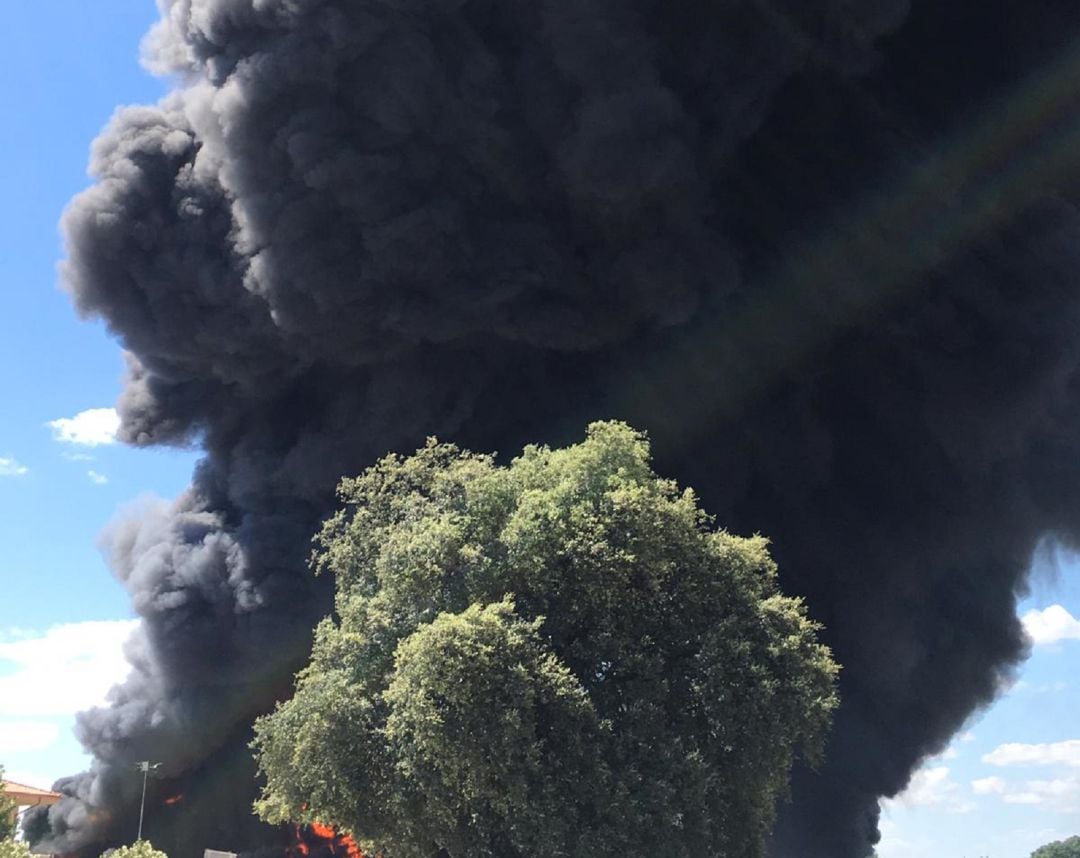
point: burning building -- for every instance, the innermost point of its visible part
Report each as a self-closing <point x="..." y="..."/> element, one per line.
<point x="825" y="252"/>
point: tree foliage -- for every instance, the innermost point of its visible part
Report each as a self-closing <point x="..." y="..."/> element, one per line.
<point x="11" y="848"/>
<point x="1069" y="848"/>
<point x="8" y="811"/>
<point x="558" y="657"/>
<point x="138" y="849"/>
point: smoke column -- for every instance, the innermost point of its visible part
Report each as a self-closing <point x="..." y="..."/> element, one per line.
<point x="827" y="252"/>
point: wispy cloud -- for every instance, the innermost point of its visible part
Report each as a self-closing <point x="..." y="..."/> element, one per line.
<point x="91" y="428"/>
<point x="892" y="844"/>
<point x="24" y="736"/>
<point x="989" y="786"/>
<point x="1039" y="688"/>
<point x="10" y="468"/>
<point x="61" y="671"/>
<point x="96" y="478"/>
<point x="932" y="786"/>
<point x="1048" y="754"/>
<point x="29" y="777"/>
<point x="1051" y="625"/>
<point x="1060" y="794"/>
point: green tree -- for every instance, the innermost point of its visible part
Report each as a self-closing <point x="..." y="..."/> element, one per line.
<point x="1059" y="849"/>
<point x="10" y="848"/>
<point x="558" y="657"/>
<point x="8" y="810"/>
<point x="139" y="849"/>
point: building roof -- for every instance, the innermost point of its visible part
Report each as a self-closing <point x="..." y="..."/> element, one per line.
<point x="25" y="796"/>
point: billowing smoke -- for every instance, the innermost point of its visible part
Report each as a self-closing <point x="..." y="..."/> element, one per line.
<point x="827" y="252"/>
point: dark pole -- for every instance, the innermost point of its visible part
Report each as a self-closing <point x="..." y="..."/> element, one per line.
<point x="145" y="767"/>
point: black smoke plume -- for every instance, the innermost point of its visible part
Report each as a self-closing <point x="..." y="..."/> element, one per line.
<point x="827" y="252"/>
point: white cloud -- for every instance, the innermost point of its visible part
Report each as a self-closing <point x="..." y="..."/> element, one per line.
<point x="967" y="736"/>
<point x="1018" y="754"/>
<point x="64" y="670"/>
<point x="91" y="428"/>
<point x="1022" y="798"/>
<point x="28" y="777"/>
<point x="988" y="786"/>
<point x="892" y="844"/>
<point x="10" y="468"/>
<point x="1060" y="794"/>
<point x="932" y="787"/>
<point x="1051" y="625"/>
<point x="96" y="478"/>
<point x="1024" y="687"/>
<point x="23" y="736"/>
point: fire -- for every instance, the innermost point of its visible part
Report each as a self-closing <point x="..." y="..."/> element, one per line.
<point x="174" y="799"/>
<point x="323" y="841"/>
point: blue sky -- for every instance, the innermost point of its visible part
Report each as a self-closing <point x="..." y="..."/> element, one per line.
<point x="1010" y="782"/>
<point x="66" y="65"/>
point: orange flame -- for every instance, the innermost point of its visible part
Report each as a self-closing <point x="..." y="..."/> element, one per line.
<point x="351" y="849"/>
<point x="324" y="837"/>
<point x="323" y="831"/>
<point x="174" y="799"/>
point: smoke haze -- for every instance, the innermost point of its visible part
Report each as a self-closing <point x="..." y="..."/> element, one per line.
<point x="826" y="252"/>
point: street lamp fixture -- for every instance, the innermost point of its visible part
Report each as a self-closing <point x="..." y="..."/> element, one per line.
<point x="145" y="766"/>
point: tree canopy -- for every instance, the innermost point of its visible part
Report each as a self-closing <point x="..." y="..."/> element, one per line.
<point x="559" y="657"/>
<point x="8" y="818"/>
<point x="11" y="848"/>
<point x="1069" y="848"/>
<point x="138" y="849"/>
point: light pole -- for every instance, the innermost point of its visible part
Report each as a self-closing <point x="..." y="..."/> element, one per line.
<point x="145" y="766"/>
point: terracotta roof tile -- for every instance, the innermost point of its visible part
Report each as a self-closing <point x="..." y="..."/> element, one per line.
<point x="19" y="791"/>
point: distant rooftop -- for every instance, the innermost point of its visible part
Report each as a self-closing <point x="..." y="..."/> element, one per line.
<point x="24" y="795"/>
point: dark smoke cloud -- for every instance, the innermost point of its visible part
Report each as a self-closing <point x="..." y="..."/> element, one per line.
<point x="826" y="251"/>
